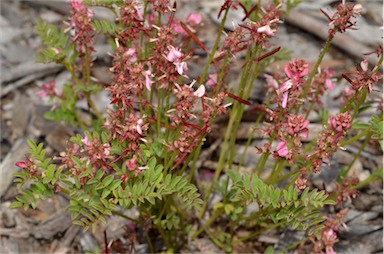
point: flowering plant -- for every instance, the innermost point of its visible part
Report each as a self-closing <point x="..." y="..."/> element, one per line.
<point x="143" y="153"/>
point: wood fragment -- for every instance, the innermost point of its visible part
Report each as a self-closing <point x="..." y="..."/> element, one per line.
<point x="28" y="68"/>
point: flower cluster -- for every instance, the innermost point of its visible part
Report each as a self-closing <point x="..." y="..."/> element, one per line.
<point x="363" y="77"/>
<point x="80" y="24"/>
<point x="294" y="129"/>
<point x="321" y="83"/>
<point x="295" y="71"/>
<point x="327" y="143"/>
<point x="260" y="31"/>
<point x="28" y="164"/>
<point x="49" y="90"/>
<point x="343" y="18"/>
<point x="328" y="234"/>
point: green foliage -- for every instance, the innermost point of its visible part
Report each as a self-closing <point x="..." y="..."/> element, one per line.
<point x="377" y="128"/>
<point x="91" y="202"/>
<point x="66" y="112"/>
<point x="288" y="206"/>
<point x="104" y="3"/>
<point x="153" y="184"/>
<point x="105" y="27"/>
<point x="43" y="181"/>
<point x="54" y="40"/>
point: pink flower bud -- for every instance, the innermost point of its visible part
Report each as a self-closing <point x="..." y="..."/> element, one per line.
<point x="286" y="85"/>
<point x="266" y="30"/>
<point x="194" y="18"/>
<point x="86" y="141"/>
<point x="173" y="54"/>
<point x="21" y="164"/>
<point x="282" y="149"/>
<point x="364" y="65"/>
<point x="212" y="79"/>
<point x="181" y="67"/>
<point x="329" y="84"/>
<point x="140" y="123"/>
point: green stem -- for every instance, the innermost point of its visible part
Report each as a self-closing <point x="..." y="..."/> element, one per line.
<point x="314" y="71"/>
<point x="264" y="157"/>
<point x="215" y="46"/>
<point x="215" y="240"/>
<point x="152" y="250"/>
<point x="206" y="224"/>
<point x="125" y="216"/>
<point x="357" y="137"/>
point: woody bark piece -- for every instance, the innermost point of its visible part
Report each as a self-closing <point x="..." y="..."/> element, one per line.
<point x="20" y="116"/>
<point x="57" y="223"/>
<point x="320" y="29"/>
<point x="66" y="242"/>
<point x="9" y="245"/>
<point x="8" y="167"/>
<point x="28" y="68"/>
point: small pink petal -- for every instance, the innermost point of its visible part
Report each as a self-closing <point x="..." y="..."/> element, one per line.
<point x="266" y="30"/>
<point x="212" y="79"/>
<point x="282" y="149"/>
<point x="86" y="141"/>
<point x="200" y="91"/>
<point x="138" y="126"/>
<point x="21" y="164"/>
<point x="181" y="67"/>
<point x="364" y="65"/>
<point x="194" y="18"/>
<point x="148" y="81"/>
<point x="271" y="82"/>
<point x="285" y="100"/>
<point x="286" y="85"/>
<point x="304" y="133"/>
<point x="329" y="84"/>
<point x="173" y="54"/>
<point x="41" y="94"/>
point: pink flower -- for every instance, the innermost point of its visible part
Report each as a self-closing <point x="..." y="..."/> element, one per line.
<point x="194" y="18"/>
<point x="48" y="90"/>
<point x="286" y="85"/>
<point x="282" y="149"/>
<point x="76" y="4"/>
<point x="22" y="164"/>
<point x="181" y="67"/>
<point x="200" y="91"/>
<point x="174" y="54"/>
<point x="148" y="81"/>
<point x="329" y="84"/>
<point x="212" y="79"/>
<point x="364" y="65"/>
<point x="296" y="69"/>
<point x="86" y="141"/>
<point x="328" y="81"/>
<point x="130" y="55"/>
<point x="131" y="164"/>
<point x="57" y="50"/>
<point x="285" y="100"/>
<point x="138" y="13"/>
<point x="140" y="123"/>
<point x="266" y="30"/>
